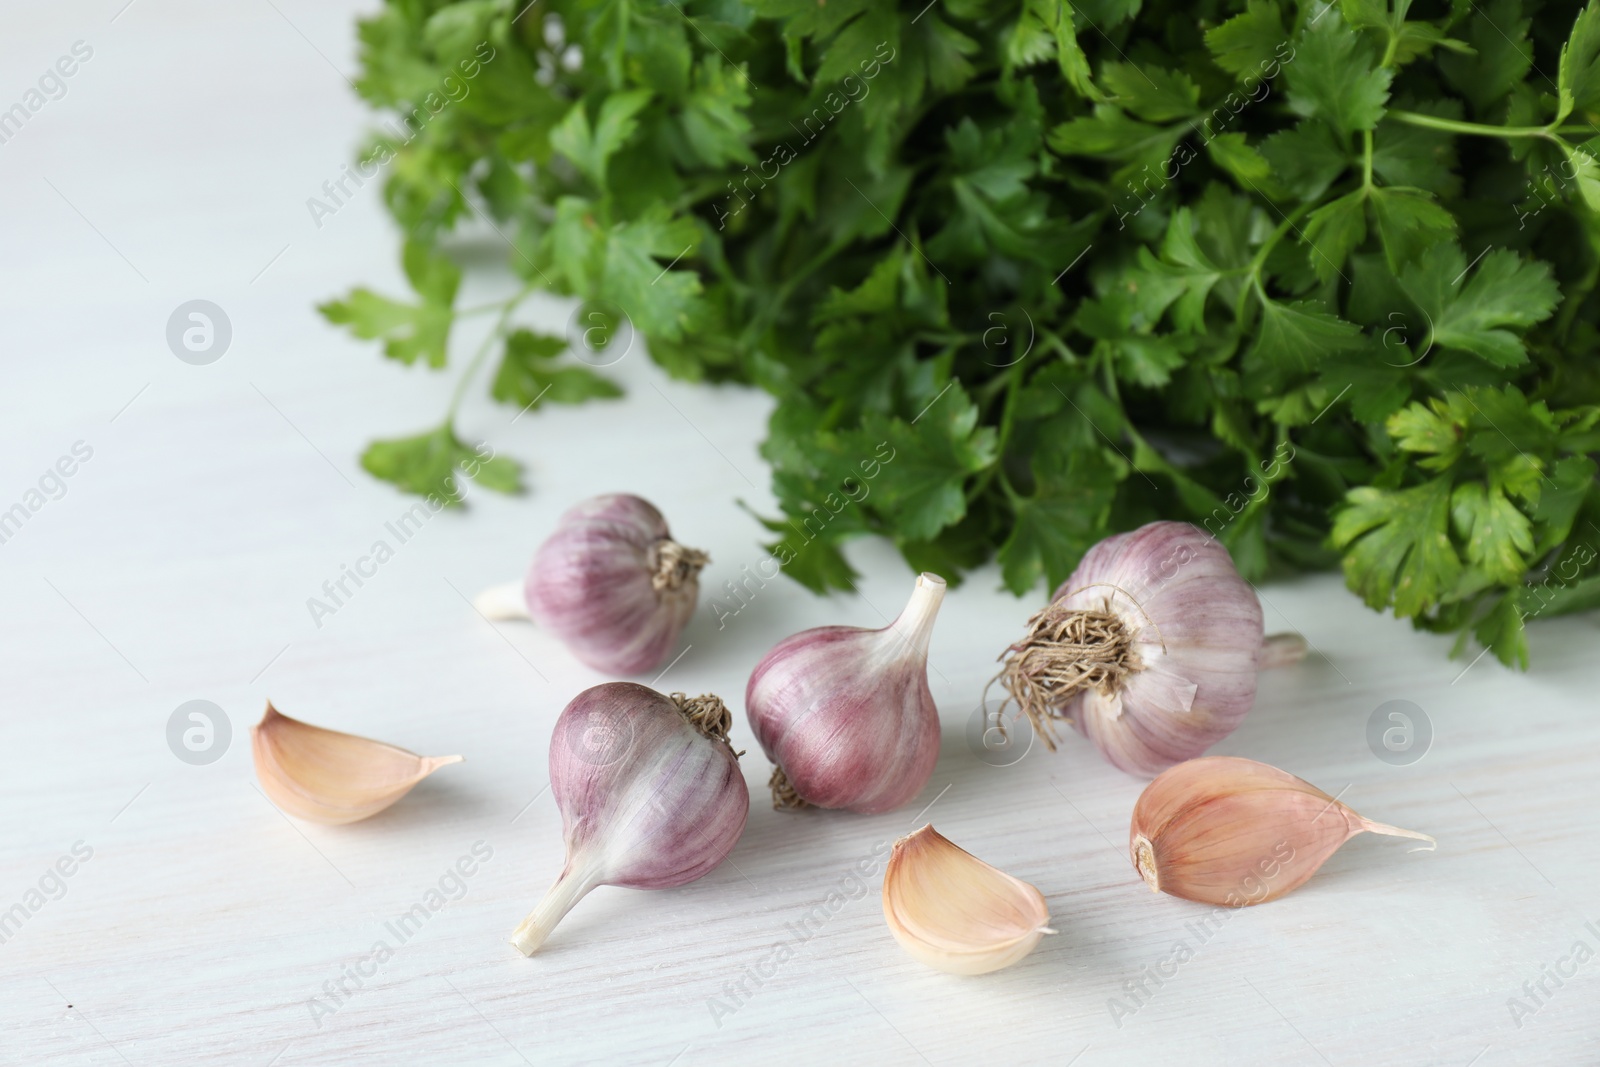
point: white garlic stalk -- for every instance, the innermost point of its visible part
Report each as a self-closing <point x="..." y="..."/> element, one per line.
<point x="611" y="583"/>
<point x="1151" y="649"/>
<point x="650" y="794"/>
<point x="954" y="912"/>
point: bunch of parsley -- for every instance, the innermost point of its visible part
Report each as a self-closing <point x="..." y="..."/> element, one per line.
<point x="1318" y="277"/>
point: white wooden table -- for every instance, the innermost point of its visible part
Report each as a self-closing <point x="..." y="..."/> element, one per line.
<point x="176" y="564"/>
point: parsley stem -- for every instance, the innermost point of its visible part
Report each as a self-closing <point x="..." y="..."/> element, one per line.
<point x="1475" y="129"/>
<point x="1389" y="52"/>
<point x="769" y="312"/>
<point x="1366" y="160"/>
<point x="1013" y="381"/>
<point x="1159" y="462"/>
<point x="1577" y="295"/>
<point x="479" y="309"/>
<point x="507" y="307"/>
<point x="1253" y="272"/>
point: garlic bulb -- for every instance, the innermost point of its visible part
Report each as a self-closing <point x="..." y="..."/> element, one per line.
<point x="954" y="912"/>
<point x="330" y="777"/>
<point x="846" y="714"/>
<point x="650" y="795"/>
<point x="1233" y="832"/>
<point x="1150" y="649"/>
<point x="610" y="582"/>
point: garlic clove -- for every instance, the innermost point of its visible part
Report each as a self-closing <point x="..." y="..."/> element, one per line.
<point x="954" y="912"/>
<point x="846" y="714"/>
<point x="331" y="777"/>
<point x="1233" y="832"/>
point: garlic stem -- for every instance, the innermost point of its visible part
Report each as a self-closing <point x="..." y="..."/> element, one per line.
<point x="1281" y="650"/>
<point x="915" y="624"/>
<point x="506" y="601"/>
<point x="570" y="888"/>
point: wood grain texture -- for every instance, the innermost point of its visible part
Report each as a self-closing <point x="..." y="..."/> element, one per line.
<point x="177" y="566"/>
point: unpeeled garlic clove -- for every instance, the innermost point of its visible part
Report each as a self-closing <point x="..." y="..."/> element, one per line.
<point x="954" y="912"/>
<point x="1233" y="832"/>
<point x="331" y="777"/>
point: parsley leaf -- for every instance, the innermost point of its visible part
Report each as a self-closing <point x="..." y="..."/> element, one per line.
<point x="1397" y="545"/>
<point x="1335" y="77"/>
<point x="589" y="147"/>
<point x="1248" y="42"/>
<point x="1060" y="521"/>
<point x="527" y="377"/>
<point x="1292" y="339"/>
<point x="430" y="463"/>
<point x="409" y="331"/>
<point x="1470" y="315"/>
<point x="1024" y="275"/>
<point x="1579" y="77"/>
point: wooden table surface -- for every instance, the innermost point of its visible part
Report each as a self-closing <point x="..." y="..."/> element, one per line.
<point x="200" y="925"/>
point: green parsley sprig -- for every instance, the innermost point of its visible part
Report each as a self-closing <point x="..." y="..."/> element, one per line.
<point x="1318" y="277"/>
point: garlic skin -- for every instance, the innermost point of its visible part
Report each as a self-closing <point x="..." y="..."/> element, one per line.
<point x="330" y="777"/>
<point x="845" y="713"/>
<point x="1233" y="832"/>
<point x="1150" y="649"/>
<point x="650" y="795"/>
<point x="610" y="582"/>
<point x="954" y="912"/>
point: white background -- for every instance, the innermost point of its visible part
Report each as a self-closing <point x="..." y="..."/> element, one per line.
<point x="219" y="498"/>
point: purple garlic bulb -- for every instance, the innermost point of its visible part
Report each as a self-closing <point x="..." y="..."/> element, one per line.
<point x="1151" y="649"/>
<point x="845" y="713"/>
<point x="610" y="582"/>
<point x="650" y="795"/>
